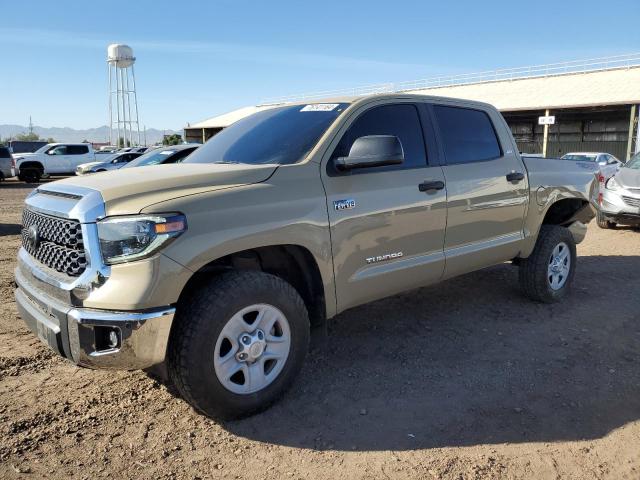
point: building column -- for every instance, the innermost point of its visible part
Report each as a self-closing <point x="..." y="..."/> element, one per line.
<point x="632" y="119"/>
<point x="637" y="133"/>
<point x="546" y="135"/>
<point x="203" y="140"/>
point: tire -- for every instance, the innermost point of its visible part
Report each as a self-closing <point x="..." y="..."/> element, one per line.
<point x="602" y="222"/>
<point x="199" y="334"/>
<point x="538" y="279"/>
<point x="32" y="175"/>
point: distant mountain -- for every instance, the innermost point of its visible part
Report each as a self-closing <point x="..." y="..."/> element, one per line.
<point x="65" y="134"/>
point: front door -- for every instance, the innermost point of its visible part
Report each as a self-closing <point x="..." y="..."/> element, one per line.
<point x="487" y="189"/>
<point x="57" y="159"/>
<point x="387" y="234"/>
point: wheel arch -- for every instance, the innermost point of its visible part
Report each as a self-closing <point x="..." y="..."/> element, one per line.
<point x="293" y="263"/>
<point x="31" y="164"/>
<point x="562" y="210"/>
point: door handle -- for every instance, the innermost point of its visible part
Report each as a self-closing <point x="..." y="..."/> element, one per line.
<point x="515" y="177"/>
<point x="431" y="185"/>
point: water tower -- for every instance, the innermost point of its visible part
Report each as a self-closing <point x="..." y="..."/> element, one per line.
<point x="123" y="101"/>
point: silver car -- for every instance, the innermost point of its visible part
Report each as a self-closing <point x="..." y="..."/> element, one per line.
<point x="619" y="196"/>
<point x="7" y="164"/>
<point x="112" y="162"/>
<point x="599" y="162"/>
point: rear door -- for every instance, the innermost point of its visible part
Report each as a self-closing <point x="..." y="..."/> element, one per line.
<point x="386" y="234"/>
<point x="487" y="190"/>
<point x="77" y="155"/>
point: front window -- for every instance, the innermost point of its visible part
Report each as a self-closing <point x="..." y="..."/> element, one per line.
<point x="282" y="135"/>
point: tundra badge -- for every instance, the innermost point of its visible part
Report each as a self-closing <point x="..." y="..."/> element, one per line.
<point x="345" y="204"/>
<point x="382" y="258"/>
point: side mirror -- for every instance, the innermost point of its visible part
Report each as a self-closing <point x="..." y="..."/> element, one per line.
<point x="372" y="151"/>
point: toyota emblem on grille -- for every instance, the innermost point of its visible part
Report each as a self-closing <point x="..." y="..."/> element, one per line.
<point x="34" y="237"/>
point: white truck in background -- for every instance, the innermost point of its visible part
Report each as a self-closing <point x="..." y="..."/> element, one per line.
<point x="53" y="159"/>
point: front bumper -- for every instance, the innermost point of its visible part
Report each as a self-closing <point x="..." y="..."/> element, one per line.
<point x="95" y="338"/>
<point x="621" y="206"/>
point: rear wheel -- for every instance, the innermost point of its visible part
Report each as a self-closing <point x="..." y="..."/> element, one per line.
<point x="238" y="343"/>
<point x="602" y="221"/>
<point x="547" y="274"/>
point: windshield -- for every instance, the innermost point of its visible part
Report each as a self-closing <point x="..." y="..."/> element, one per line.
<point x="155" y="157"/>
<point x="281" y="136"/>
<point x="634" y="162"/>
<point x="43" y="148"/>
<point x="579" y="157"/>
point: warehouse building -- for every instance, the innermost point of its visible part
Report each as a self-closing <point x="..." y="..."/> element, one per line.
<point x="552" y="109"/>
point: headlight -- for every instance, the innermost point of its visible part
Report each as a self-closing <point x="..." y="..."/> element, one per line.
<point x="128" y="238"/>
<point x="611" y="184"/>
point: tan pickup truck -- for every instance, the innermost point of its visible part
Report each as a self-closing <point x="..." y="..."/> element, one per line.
<point x="217" y="268"/>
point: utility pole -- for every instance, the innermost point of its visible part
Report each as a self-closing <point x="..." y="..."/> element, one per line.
<point x="30" y="126"/>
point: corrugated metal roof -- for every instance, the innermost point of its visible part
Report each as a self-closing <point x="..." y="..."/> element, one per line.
<point x="611" y="87"/>
<point x="226" y="119"/>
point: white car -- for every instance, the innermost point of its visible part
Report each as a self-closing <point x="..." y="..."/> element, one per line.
<point x="111" y="162"/>
<point x="619" y="196"/>
<point x="604" y="163"/>
<point x="53" y="159"/>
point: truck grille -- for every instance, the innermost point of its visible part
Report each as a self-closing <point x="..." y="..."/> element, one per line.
<point x="634" y="202"/>
<point x="55" y="242"/>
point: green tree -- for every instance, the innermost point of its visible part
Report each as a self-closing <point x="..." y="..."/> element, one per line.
<point x="174" y="139"/>
<point x="28" y="137"/>
<point x="50" y="140"/>
<point x="121" y="143"/>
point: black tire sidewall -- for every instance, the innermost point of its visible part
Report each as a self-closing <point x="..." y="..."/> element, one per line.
<point x="205" y="391"/>
<point x="534" y="270"/>
<point x="567" y="238"/>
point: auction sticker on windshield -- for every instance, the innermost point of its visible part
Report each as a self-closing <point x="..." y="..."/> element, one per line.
<point x="319" y="107"/>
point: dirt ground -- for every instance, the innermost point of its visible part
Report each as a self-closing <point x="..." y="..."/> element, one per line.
<point x="463" y="380"/>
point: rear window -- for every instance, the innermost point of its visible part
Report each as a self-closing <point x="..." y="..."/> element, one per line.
<point x="77" y="149"/>
<point x="4" y="152"/>
<point x="467" y="135"/>
<point x="155" y="157"/>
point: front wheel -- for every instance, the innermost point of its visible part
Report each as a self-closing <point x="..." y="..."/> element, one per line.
<point x="32" y="175"/>
<point x="238" y="343"/>
<point x="547" y="274"/>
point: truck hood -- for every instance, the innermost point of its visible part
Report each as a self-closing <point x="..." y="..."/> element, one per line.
<point x="25" y="155"/>
<point x="628" y="177"/>
<point x="129" y="190"/>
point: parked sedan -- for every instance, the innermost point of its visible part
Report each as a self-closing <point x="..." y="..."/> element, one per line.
<point x="171" y="154"/>
<point x="112" y="162"/>
<point x="604" y="163"/>
<point x="619" y="200"/>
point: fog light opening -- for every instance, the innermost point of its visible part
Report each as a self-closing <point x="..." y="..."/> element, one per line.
<point x="107" y="338"/>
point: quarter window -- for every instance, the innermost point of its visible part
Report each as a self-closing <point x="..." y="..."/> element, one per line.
<point x="467" y="135"/>
<point x="400" y="120"/>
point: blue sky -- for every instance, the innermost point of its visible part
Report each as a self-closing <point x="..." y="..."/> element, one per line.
<point x="199" y="59"/>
